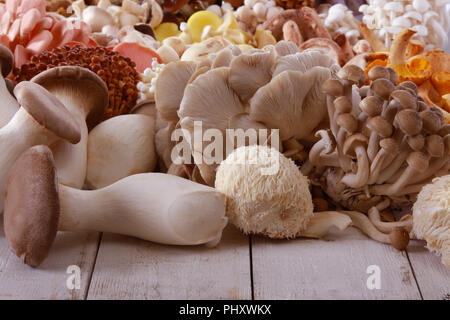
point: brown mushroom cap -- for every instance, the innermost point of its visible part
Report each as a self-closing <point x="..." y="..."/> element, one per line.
<point x="382" y="87"/>
<point x="393" y="75"/>
<point x="409" y="121"/>
<point x="79" y="83"/>
<point x="6" y="60"/>
<point x="342" y="104"/>
<point x="405" y="99"/>
<point x="348" y="122"/>
<point x="432" y="120"/>
<point x="379" y="72"/>
<point x="47" y="110"/>
<point x="416" y="142"/>
<point x="333" y="87"/>
<point x="353" y="73"/>
<point x="399" y="238"/>
<point x="434" y="145"/>
<point x="408" y="85"/>
<point x="371" y="105"/>
<point x="32" y="205"/>
<point x="418" y="161"/>
<point x="378" y="124"/>
<point x="390" y="145"/>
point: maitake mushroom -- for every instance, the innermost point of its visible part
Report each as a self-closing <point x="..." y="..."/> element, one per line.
<point x="431" y="217"/>
<point x="259" y="89"/>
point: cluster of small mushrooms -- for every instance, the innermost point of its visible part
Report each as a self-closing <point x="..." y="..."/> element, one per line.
<point x="101" y="103"/>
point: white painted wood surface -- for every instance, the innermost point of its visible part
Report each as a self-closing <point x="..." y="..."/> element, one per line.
<point x="334" y="268"/>
<point x="19" y="281"/>
<point x="433" y="277"/>
<point x="128" y="268"/>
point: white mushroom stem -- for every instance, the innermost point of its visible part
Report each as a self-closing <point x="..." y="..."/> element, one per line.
<point x="380" y="161"/>
<point x="321" y="223"/>
<point x="21" y="133"/>
<point x="151" y="206"/>
<point x="374" y="142"/>
<point x="363" y="223"/>
<point x="9" y="104"/>
<point x="362" y="175"/>
<point x="324" y="152"/>
<point x="374" y="217"/>
<point x="394" y="166"/>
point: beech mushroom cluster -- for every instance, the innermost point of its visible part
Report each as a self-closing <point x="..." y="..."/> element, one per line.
<point x="274" y="88"/>
<point x="384" y="142"/>
<point x="431" y="217"/>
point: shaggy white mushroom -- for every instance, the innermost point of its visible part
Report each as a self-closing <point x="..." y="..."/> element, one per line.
<point x="268" y="195"/>
<point x="431" y="217"/>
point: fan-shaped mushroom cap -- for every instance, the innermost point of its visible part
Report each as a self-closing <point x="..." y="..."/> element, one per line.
<point x="431" y="217"/>
<point x="325" y="46"/>
<point x="287" y="99"/>
<point x="284" y="48"/>
<point x="78" y="86"/>
<point x="198" y="52"/>
<point x="277" y="204"/>
<point x="303" y="61"/>
<point x="47" y="110"/>
<point x="32" y="205"/>
<point x="409" y="122"/>
<point x="6" y="60"/>
<point x="249" y="72"/>
<point x="169" y="88"/>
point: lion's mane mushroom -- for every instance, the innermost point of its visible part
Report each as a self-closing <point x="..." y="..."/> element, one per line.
<point x="151" y="206"/>
<point x="119" y="147"/>
<point x="9" y="105"/>
<point x="405" y="141"/>
<point x="41" y="119"/>
<point x="431" y="217"/>
<point x="85" y="95"/>
<point x="268" y="195"/>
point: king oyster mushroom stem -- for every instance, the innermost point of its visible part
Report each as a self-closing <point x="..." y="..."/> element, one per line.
<point x="9" y="105"/>
<point x="119" y="147"/>
<point x="41" y="119"/>
<point x="151" y="206"/>
<point x="85" y="95"/>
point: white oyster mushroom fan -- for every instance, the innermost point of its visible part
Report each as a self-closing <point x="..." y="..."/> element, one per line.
<point x="430" y="18"/>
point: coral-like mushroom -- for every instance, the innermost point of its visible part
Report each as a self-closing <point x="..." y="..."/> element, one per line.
<point x="431" y="216"/>
<point x="117" y="71"/>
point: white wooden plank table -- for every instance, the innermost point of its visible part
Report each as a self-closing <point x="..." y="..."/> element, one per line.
<point x="120" y="267"/>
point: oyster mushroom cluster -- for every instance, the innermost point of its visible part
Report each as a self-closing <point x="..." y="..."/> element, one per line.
<point x="384" y="143"/>
<point x="274" y="88"/>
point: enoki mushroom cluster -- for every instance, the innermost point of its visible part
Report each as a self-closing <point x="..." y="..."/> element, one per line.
<point x="118" y="72"/>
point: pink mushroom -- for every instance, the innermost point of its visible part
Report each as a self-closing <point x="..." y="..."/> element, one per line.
<point x="27" y="29"/>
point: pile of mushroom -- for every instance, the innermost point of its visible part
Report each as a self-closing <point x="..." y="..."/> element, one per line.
<point x="275" y="88"/>
<point x="430" y="18"/>
<point x="384" y="143"/>
<point x="339" y="19"/>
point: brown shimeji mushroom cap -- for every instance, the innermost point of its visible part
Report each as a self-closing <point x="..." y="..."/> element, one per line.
<point x="47" y="110"/>
<point x="80" y="84"/>
<point x="32" y="205"/>
<point x="6" y="60"/>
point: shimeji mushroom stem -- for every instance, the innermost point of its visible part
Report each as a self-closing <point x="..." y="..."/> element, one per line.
<point x="152" y="206"/>
<point x="321" y="223"/>
<point x="21" y="133"/>
<point x="374" y="217"/>
<point x="362" y="175"/>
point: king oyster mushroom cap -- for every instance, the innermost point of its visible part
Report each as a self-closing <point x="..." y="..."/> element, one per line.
<point x="31" y="224"/>
<point x="119" y="147"/>
<point x="431" y="217"/>
<point x="86" y="96"/>
<point x="9" y="105"/>
<point x="169" y="88"/>
<point x="288" y="100"/>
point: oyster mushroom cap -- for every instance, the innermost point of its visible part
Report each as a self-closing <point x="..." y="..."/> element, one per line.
<point x="169" y="88"/>
<point x="303" y="61"/>
<point x="288" y="99"/>
<point x="431" y="217"/>
<point x="249" y="72"/>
